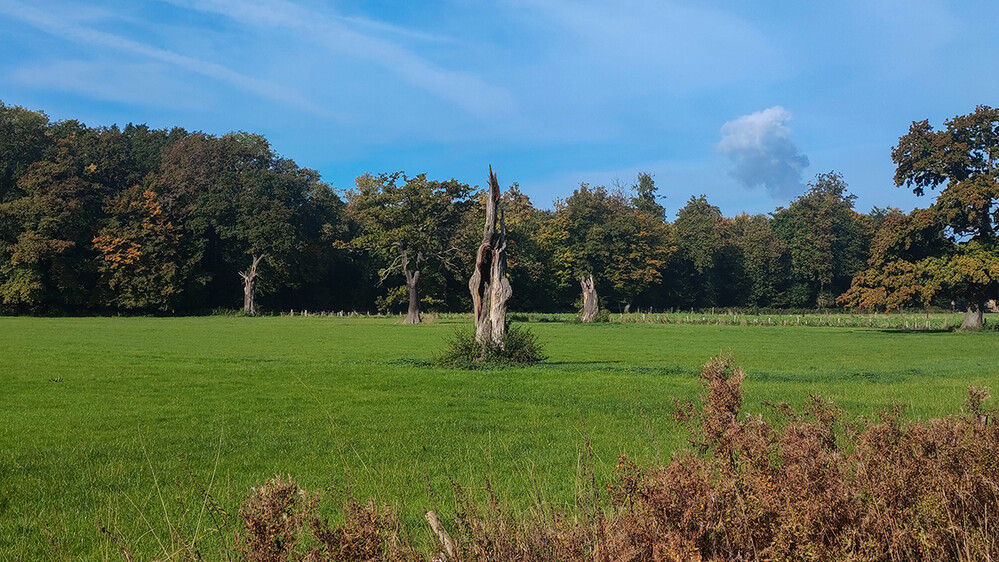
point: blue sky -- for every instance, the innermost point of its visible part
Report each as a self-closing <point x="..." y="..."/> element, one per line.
<point x="742" y="101"/>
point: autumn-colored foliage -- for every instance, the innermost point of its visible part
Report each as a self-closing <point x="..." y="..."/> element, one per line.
<point x="952" y="245"/>
<point x="273" y="516"/>
<point x="814" y="486"/>
<point x="279" y="516"/>
<point x="79" y="234"/>
<point x="139" y="251"/>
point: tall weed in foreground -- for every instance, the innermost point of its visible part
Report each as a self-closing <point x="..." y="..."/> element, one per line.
<point x="811" y="486"/>
<point x="191" y="524"/>
<point x="281" y="522"/>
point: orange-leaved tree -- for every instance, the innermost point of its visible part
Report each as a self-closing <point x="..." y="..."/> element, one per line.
<point x="950" y="248"/>
<point x="138" y="250"/>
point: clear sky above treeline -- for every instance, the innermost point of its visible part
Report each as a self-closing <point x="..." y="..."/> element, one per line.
<point x="742" y="101"/>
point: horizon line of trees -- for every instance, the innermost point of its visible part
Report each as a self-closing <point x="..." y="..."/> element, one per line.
<point x="112" y="219"/>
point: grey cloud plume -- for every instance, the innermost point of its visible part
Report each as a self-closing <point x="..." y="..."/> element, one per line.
<point x="760" y="148"/>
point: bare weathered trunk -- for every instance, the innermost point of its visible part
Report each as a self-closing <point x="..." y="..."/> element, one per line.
<point x="250" y="287"/>
<point x="974" y="317"/>
<point x="489" y="286"/>
<point x="591" y="306"/>
<point x="412" y="278"/>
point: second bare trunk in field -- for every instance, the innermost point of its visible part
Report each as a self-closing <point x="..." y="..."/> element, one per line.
<point x="250" y="287"/>
<point x="591" y="306"/>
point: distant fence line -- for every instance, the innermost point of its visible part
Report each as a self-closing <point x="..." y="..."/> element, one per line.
<point x="921" y="321"/>
<point x="885" y="321"/>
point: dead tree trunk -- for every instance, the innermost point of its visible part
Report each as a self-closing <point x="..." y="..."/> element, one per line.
<point x="489" y="286"/>
<point x="591" y="306"/>
<point x="412" y="278"/>
<point x="250" y="287"/>
<point x="974" y="317"/>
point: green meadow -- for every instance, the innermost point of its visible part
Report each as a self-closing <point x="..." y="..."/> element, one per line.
<point x="114" y="431"/>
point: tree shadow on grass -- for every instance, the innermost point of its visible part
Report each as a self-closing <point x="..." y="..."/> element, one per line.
<point x="410" y="362"/>
<point x="911" y="331"/>
<point x="619" y="367"/>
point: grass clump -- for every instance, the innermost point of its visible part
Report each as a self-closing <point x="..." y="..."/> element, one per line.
<point x="520" y="348"/>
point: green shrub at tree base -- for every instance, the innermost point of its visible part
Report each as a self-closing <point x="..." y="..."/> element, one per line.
<point x="520" y="348"/>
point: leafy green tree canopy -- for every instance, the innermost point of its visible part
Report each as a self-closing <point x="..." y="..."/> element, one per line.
<point x="410" y="224"/>
<point x="827" y="240"/>
<point x="22" y="141"/>
<point x="600" y="239"/>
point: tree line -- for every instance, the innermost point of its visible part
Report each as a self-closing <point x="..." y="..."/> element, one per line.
<point x="134" y="219"/>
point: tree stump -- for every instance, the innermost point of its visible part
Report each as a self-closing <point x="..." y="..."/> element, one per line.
<point x="591" y="304"/>
<point x="489" y="286"/>
<point x="974" y="317"/>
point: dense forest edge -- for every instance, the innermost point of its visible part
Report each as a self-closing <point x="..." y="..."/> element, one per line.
<point x="109" y="220"/>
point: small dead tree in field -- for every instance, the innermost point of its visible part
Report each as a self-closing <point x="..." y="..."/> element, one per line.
<point x="250" y="286"/>
<point x="489" y="286"/>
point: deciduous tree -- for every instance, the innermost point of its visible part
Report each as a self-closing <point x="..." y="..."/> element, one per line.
<point x="646" y="196"/>
<point x="410" y="224"/>
<point x="243" y="208"/>
<point x="22" y="141"/>
<point x="599" y="239"/>
<point x="696" y="272"/>
<point x="761" y="253"/>
<point x="826" y="238"/>
<point x="138" y="260"/>
<point x="964" y="158"/>
<point x="48" y="259"/>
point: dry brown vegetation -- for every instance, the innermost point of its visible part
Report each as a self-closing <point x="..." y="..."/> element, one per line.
<point x="804" y="484"/>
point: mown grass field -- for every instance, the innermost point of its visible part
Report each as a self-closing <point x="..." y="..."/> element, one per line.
<point x="126" y="422"/>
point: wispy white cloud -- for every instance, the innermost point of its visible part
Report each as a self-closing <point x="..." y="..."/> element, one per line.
<point x="380" y="26"/>
<point x="137" y="84"/>
<point x="469" y="92"/>
<point x="60" y="27"/>
<point x="656" y="44"/>
<point x="761" y="151"/>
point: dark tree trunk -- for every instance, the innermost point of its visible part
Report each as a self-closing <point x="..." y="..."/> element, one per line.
<point x="591" y="306"/>
<point x="250" y="287"/>
<point x="412" y="278"/>
<point x="974" y="317"/>
<point x="489" y="286"/>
